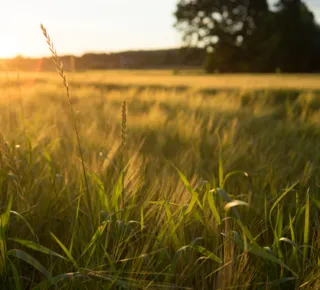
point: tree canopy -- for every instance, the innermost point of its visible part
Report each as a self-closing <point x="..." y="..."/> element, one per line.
<point x="246" y="36"/>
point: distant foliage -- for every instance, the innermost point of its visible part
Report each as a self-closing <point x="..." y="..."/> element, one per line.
<point x="162" y="59"/>
<point x="246" y="36"/>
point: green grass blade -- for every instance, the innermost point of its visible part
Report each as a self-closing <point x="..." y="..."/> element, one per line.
<point x="103" y="198"/>
<point x="25" y="221"/>
<point x="293" y="239"/>
<point x="306" y="226"/>
<point x="176" y="257"/>
<point x="208" y="254"/>
<point x="185" y="180"/>
<point x="315" y="201"/>
<point x="5" y="217"/>
<point x="117" y="191"/>
<point x="74" y="228"/>
<point x="226" y="197"/>
<point x="293" y="244"/>
<point x="95" y="237"/>
<point x="193" y="202"/>
<point x="38" y="248"/>
<point x="60" y="278"/>
<point x="66" y="251"/>
<point x="31" y="261"/>
<point x="195" y="195"/>
<point x="142" y="217"/>
<point x="173" y="224"/>
<point x="213" y="207"/>
<point x="279" y="199"/>
<point x="238" y="172"/>
<point x="280" y="281"/>
<point x="257" y="251"/>
<point x="16" y="276"/>
<point x="4" y="221"/>
<point x="292" y="233"/>
<point x="221" y="169"/>
<point x="246" y="232"/>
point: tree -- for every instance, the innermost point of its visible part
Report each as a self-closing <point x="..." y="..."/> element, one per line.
<point x="245" y="36"/>
<point x="225" y="27"/>
<point x="298" y="46"/>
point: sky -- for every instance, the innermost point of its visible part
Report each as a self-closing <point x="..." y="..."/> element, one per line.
<point x="80" y="26"/>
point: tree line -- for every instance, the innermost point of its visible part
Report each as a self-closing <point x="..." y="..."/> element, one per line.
<point x="182" y="58"/>
<point x="249" y="36"/>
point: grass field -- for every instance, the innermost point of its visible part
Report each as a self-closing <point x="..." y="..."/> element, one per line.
<point x="183" y="80"/>
<point x="217" y="186"/>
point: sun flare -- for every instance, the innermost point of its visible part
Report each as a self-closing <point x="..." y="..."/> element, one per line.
<point x="6" y="53"/>
<point x="8" y="47"/>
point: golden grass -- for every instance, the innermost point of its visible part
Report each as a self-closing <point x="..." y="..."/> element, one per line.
<point x="162" y="231"/>
<point x="166" y="79"/>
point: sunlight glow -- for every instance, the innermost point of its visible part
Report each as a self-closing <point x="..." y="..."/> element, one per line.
<point x="79" y="26"/>
<point x="8" y="46"/>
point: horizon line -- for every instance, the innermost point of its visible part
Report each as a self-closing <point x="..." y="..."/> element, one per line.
<point x="96" y="52"/>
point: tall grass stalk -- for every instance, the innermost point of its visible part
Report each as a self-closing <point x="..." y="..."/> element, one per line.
<point x="8" y="87"/>
<point x="123" y="145"/>
<point x="21" y="106"/>
<point x="59" y="66"/>
<point x="124" y="125"/>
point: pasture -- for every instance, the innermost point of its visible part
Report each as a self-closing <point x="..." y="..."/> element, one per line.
<point x="195" y="182"/>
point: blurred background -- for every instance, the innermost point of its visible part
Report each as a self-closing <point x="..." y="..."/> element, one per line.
<point x="219" y="36"/>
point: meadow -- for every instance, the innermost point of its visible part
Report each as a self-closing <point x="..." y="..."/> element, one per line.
<point x="183" y="181"/>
